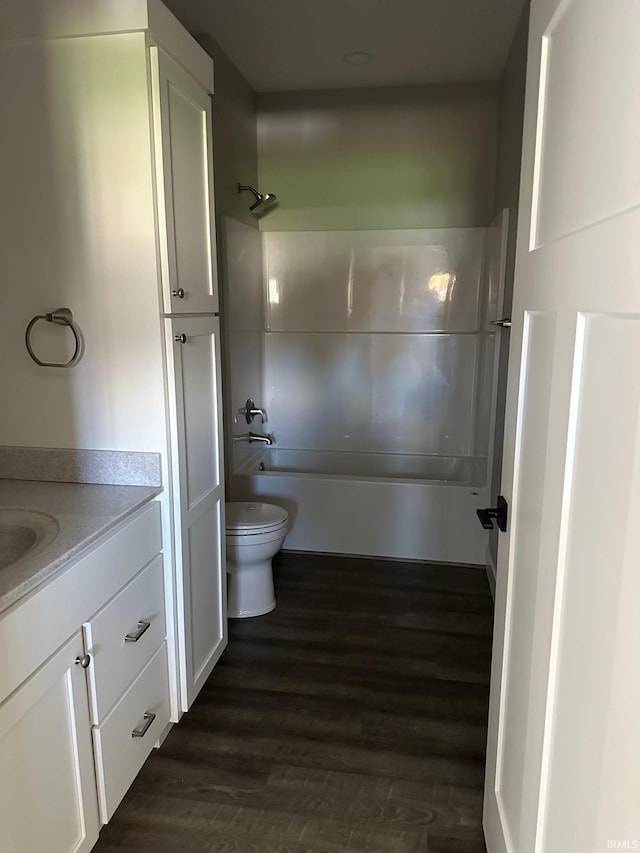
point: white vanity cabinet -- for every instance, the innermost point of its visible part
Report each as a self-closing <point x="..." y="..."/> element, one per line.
<point x="47" y="782"/>
<point x="188" y="270"/>
<point x="183" y="156"/>
<point x="184" y="189"/>
<point x="184" y="165"/>
<point x="84" y="691"/>
<point x="128" y="682"/>
<point x="194" y="365"/>
<point x="123" y="636"/>
<point x="125" y="738"/>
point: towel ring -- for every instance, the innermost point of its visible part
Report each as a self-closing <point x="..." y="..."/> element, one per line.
<point x="62" y="317"/>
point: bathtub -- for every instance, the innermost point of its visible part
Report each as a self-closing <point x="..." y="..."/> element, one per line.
<point x="399" y="506"/>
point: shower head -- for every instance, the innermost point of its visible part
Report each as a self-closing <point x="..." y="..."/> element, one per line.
<point x="262" y="203"/>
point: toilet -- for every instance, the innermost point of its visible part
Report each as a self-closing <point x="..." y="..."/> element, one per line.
<point x="254" y="535"/>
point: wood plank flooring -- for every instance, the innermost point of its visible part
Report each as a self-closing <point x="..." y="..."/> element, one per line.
<point x="351" y="719"/>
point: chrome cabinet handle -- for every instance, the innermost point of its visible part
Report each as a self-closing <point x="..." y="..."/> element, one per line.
<point x="179" y="293"/>
<point x="180" y="339"/>
<point x="505" y="323"/>
<point x="83" y="660"/>
<point x="143" y="728"/>
<point x="134" y="636"/>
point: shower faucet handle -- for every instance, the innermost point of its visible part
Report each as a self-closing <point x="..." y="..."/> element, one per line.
<point x="250" y="411"/>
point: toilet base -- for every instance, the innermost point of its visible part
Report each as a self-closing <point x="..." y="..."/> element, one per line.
<point x="247" y="614"/>
<point x="249" y="589"/>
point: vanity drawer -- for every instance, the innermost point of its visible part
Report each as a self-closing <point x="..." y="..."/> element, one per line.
<point x="123" y="636"/>
<point x="119" y="753"/>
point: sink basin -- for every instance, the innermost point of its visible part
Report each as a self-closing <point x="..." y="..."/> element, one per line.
<point x="24" y="532"/>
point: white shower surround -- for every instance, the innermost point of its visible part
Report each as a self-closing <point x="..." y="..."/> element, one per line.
<point x="371" y="339"/>
<point x="381" y="400"/>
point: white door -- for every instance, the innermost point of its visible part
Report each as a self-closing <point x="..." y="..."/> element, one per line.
<point x="184" y="186"/>
<point x="47" y="781"/>
<point x="563" y="765"/>
<point x="193" y="345"/>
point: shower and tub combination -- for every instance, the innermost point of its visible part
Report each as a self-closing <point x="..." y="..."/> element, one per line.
<point x="374" y="358"/>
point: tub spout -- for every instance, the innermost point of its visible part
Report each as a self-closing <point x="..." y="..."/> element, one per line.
<point x="265" y="439"/>
<point x="252" y="437"/>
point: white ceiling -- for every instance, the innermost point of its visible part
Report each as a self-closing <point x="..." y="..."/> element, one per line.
<point x="281" y="45"/>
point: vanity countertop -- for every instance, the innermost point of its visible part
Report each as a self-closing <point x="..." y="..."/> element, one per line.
<point x="84" y="512"/>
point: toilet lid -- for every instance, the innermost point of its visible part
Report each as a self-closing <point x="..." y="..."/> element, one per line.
<point x="253" y="515"/>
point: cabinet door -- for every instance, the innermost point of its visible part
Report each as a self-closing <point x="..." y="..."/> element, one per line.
<point x="184" y="181"/>
<point x="47" y="784"/>
<point x="198" y="496"/>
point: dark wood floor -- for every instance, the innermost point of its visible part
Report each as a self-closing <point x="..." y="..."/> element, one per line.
<point x="352" y="718"/>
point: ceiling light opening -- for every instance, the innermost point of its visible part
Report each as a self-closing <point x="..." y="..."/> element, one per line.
<point x="358" y="57"/>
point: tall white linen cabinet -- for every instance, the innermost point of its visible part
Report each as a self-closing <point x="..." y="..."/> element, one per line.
<point x="107" y="208"/>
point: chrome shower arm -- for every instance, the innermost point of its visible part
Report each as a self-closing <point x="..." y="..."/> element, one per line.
<point x="242" y="188"/>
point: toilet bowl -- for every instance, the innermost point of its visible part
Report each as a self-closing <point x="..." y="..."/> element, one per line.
<point x="254" y="535"/>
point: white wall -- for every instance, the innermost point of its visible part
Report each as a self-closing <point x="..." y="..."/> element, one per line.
<point x="241" y="250"/>
<point x="235" y="144"/>
<point x="78" y="231"/>
<point x="235" y="154"/>
<point x="414" y="157"/>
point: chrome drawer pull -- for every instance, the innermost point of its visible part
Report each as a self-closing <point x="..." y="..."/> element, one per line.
<point x="141" y="731"/>
<point x="134" y="636"/>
